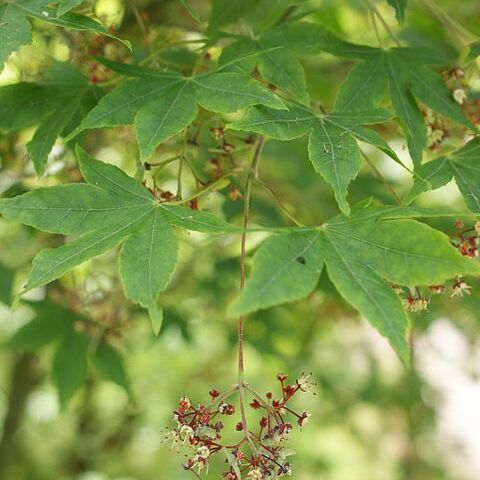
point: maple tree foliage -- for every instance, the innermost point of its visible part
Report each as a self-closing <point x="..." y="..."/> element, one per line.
<point x="245" y="88"/>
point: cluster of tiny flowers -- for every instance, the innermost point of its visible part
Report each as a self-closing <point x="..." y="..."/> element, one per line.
<point x="466" y="241"/>
<point x="261" y="453"/>
<point x="460" y="84"/>
<point x="436" y="129"/>
<point x="416" y="304"/>
<point x="455" y="80"/>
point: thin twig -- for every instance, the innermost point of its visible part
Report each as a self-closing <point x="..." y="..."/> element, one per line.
<point x="374" y="23"/>
<point x="139" y="20"/>
<point x="207" y="189"/>
<point x="251" y="175"/>
<point x="385" y="25"/>
<point x="279" y="202"/>
<point x="180" y="164"/>
<point x="380" y="176"/>
<point x="464" y="35"/>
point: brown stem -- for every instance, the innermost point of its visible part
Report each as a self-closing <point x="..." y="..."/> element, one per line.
<point x="24" y="379"/>
<point x="251" y="175"/>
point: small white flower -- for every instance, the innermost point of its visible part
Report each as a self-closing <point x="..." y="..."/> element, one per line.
<point x="186" y="433"/>
<point x="303" y="420"/>
<point x="415" y="305"/>
<point x="459" y="95"/>
<point x="304" y="382"/>
<point x="476" y="226"/>
<point x="459" y="288"/>
<point x="435" y="136"/>
<point x="429" y="116"/>
<point x="255" y="474"/>
<point x="203" y="452"/>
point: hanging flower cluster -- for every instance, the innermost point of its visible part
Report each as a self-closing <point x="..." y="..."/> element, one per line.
<point x="261" y="453"/>
<point x="466" y="241"/>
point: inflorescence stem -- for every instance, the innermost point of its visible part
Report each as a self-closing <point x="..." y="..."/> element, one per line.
<point x="251" y="175"/>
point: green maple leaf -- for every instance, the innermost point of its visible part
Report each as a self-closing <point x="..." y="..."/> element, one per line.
<point x="225" y="12"/>
<point x="308" y="38"/>
<point x="53" y="323"/>
<point x="15" y="29"/>
<point x="70" y="364"/>
<point x="109" y="362"/>
<point x="260" y="13"/>
<point x="65" y="6"/>
<point x="193" y="13"/>
<point x="56" y="104"/>
<point x="400" y="7"/>
<point x="332" y="145"/>
<point x="278" y="51"/>
<point x="108" y="210"/>
<point x="409" y="78"/>
<point x="162" y="104"/>
<point x="278" y="66"/>
<point x="473" y="52"/>
<point x="6" y="284"/>
<point x="363" y="254"/>
<point x="50" y="322"/>
<point x="462" y="165"/>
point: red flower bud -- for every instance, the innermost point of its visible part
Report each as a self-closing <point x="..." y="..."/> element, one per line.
<point x="214" y="393"/>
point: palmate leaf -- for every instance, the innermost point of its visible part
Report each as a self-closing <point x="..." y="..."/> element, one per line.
<point x="278" y="50"/>
<point x="111" y="208"/>
<point x="332" y="147"/>
<point x="409" y="79"/>
<point x="161" y="105"/>
<point x="53" y="104"/>
<point x="363" y="253"/>
<point x="462" y="165"/>
<point x="15" y="29"/>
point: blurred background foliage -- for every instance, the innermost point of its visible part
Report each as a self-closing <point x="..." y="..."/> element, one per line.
<point x="372" y="419"/>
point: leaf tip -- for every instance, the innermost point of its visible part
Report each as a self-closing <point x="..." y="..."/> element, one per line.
<point x="156" y="319"/>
